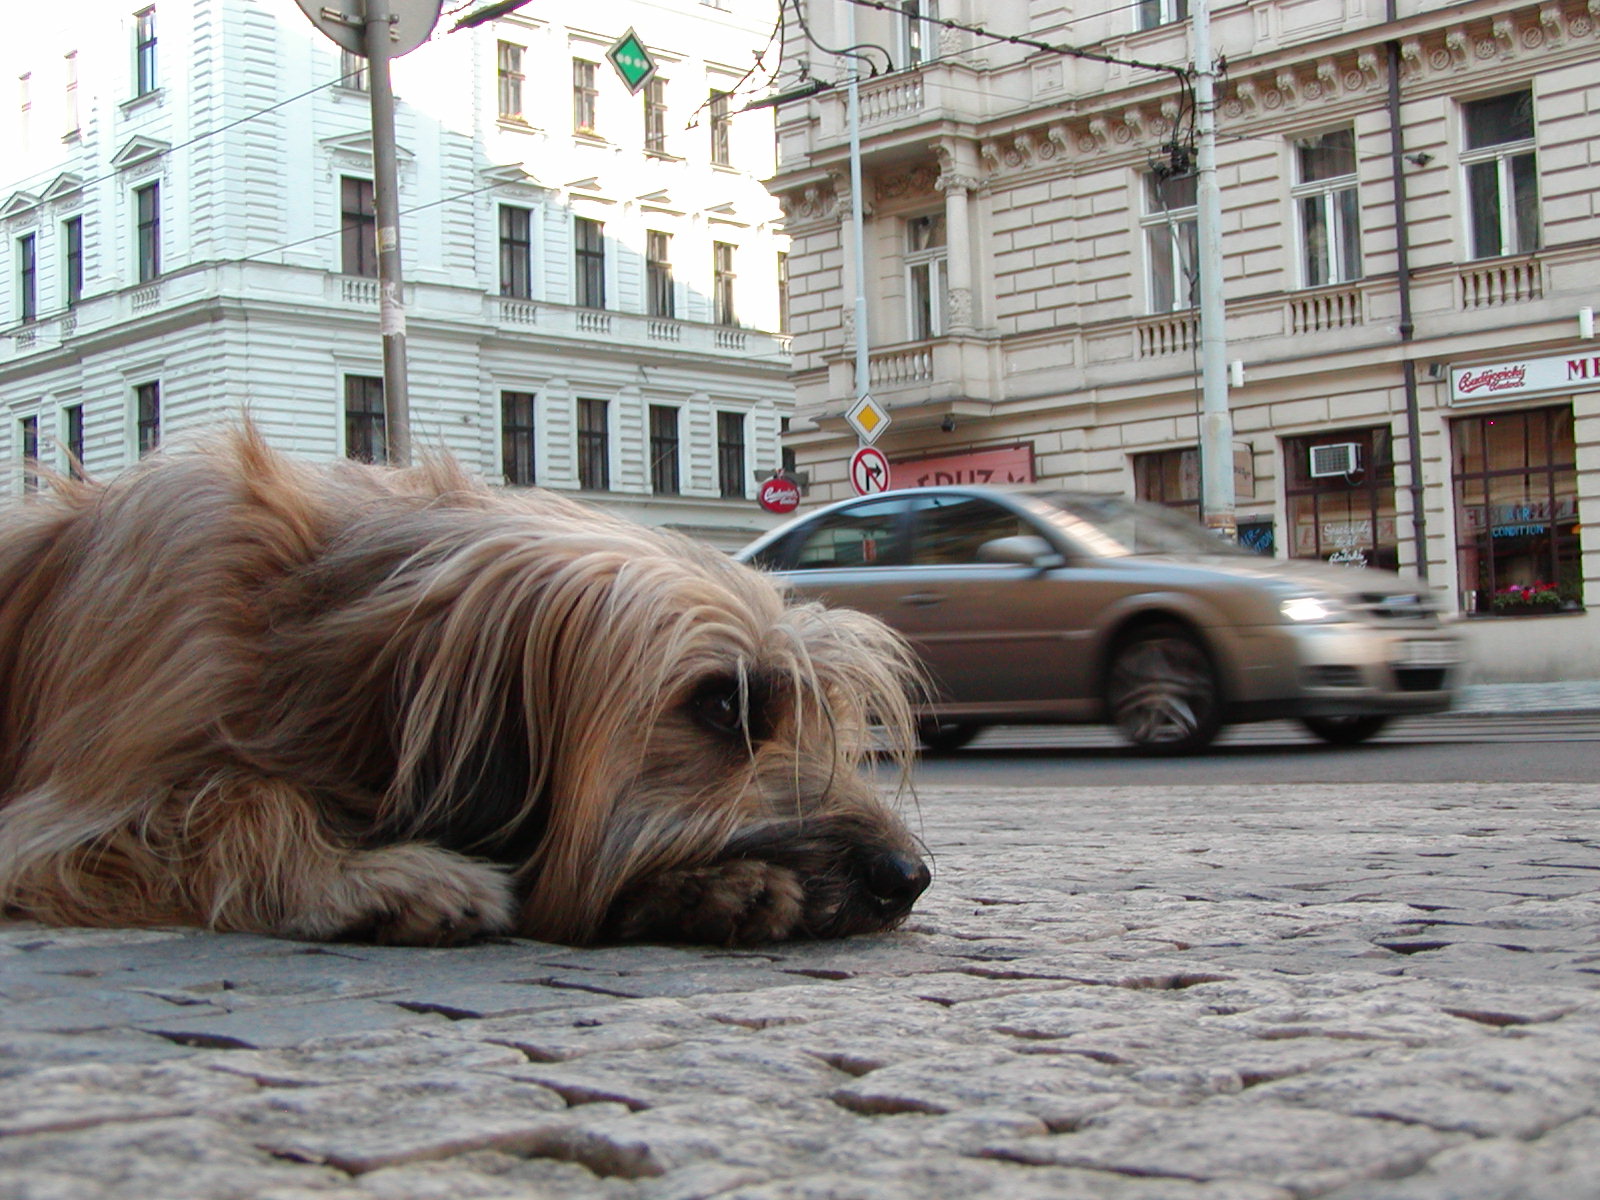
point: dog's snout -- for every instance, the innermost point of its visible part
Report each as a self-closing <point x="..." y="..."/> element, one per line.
<point x="897" y="879"/>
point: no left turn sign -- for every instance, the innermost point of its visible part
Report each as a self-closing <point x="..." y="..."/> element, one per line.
<point x="869" y="471"/>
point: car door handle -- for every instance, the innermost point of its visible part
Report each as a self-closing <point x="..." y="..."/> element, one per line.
<point x="923" y="599"/>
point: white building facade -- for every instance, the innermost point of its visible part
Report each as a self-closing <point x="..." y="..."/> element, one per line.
<point x="1409" y="273"/>
<point x="592" y="276"/>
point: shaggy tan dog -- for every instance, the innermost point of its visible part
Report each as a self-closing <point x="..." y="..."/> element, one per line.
<point x="339" y="701"/>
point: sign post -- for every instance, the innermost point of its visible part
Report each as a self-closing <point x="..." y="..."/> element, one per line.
<point x="382" y="30"/>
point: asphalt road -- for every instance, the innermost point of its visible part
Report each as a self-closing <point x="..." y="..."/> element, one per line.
<point x="1512" y="748"/>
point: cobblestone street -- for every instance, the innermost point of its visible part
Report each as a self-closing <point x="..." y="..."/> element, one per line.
<point x="1361" y="992"/>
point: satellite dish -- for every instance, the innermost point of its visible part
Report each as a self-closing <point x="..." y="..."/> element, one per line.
<point x="411" y="23"/>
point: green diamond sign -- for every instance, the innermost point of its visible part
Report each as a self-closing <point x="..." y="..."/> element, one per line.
<point x="632" y="61"/>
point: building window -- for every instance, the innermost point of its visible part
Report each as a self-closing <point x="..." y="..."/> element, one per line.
<point x="660" y="297"/>
<point x="72" y="260"/>
<point x="663" y="449"/>
<point x="147" y="205"/>
<point x="721" y="129"/>
<point x="783" y="293"/>
<point x="353" y="71"/>
<point x="1330" y="214"/>
<point x="1172" y="241"/>
<point x="72" y="418"/>
<point x="722" y="278"/>
<point x="589" y="255"/>
<point x="147" y="416"/>
<point x="585" y="96"/>
<point x="365" y="433"/>
<point x="509" y="57"/>
<point x="594" y="446"/>
<point x="28" y="276"/>
<point x="1169" y="477"/>
<point x="927" y="291"/>
<point x="1516" y="493"/>
<point x="358" y="227"/>
<point x="919" y="36"/>
<point x="1346" y="516"/>
<point x="655" y="116"/>
<point x="516" y="438"/>
<point x="730" y="454"/>
<point x="73" y="123"/>
<point x="144" y="52"/>
<point x="1502" y="175"/>
<point x="1150" y="13"/>
<point x="28" y="439"/>
<point x="516" y="252"/>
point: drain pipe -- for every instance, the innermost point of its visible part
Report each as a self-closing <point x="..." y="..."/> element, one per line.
<point x="1402" y="253"/>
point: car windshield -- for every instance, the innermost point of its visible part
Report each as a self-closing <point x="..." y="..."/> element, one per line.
<point x="1114" y="527"/>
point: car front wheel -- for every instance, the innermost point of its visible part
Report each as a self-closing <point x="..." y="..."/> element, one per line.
<point x="942" y="737"/>
<point x="1162" y="691"/>
<point x="1345" y="731"/>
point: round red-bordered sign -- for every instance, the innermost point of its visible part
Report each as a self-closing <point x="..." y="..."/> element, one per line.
<point x="780" y="494"/>
<point x="869" y="471"/>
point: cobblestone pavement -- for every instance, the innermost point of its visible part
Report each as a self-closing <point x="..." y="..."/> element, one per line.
<point x="1361" y="992"/>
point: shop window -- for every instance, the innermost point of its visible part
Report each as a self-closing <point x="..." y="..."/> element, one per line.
<point x="1516" y="494"/>
<point x="1169" y="477"/>
<point x="1339" y="489"/>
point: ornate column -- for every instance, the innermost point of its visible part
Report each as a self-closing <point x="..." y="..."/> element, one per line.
<point x="958" y="179"/>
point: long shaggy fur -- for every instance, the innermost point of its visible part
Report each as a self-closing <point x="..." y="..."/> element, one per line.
<point x="329" y="701"/>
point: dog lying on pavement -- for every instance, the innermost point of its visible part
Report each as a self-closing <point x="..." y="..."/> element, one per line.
<point x="340" y="701"/>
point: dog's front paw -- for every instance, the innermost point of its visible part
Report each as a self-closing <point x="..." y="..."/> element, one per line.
<point x="737" y="903"/>
<point x="410" y="895"/>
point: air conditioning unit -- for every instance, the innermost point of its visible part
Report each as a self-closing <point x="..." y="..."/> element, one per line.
<point x="1341" y="458"/>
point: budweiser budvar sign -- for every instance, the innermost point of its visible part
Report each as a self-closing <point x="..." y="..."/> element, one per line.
<point x="1524" y="377"/>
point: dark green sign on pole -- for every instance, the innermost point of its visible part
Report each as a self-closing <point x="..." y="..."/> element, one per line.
<point x="632" y="61"/>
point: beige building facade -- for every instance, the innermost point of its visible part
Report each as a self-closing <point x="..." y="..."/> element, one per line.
<point x="1410" y="254"/>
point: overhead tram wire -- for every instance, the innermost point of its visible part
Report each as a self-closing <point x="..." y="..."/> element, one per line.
<point x="1182" y="72"/>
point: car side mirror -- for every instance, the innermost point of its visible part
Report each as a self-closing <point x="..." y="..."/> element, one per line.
<point x="1025" y="550"/>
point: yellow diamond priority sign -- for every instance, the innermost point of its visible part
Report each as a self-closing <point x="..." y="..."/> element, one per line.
<point x="868" y="419"/>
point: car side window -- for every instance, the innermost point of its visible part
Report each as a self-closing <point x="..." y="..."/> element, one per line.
<point x="949" y="529"/>
<point x="864" y="535"/>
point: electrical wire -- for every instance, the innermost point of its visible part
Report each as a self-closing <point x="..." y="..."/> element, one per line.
<point x="343" y="228"/>
<point x="800" y="18"/>
<point x="1026" y="42"/>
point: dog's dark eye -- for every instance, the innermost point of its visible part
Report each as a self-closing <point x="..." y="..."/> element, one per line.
<point x="724" y="707"/>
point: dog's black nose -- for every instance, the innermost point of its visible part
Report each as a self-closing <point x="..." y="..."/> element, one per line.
<point x="897" y="879"/>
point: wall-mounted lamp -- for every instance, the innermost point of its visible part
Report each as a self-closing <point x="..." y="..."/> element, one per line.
<point x="1586" y="322"/>
<point x="1420" y="159"/>
<point x="948" y="424"/>
<point x="1436" y="371"/>
<point x="1236" y="373"/>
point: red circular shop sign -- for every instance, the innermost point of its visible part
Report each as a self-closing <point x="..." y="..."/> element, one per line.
<point x="779" y="494"/>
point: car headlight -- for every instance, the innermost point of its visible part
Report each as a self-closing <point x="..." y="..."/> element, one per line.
<point x="1311" y="608"/>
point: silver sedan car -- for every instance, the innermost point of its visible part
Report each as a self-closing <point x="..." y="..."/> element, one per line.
<point x="1052" y="607"/>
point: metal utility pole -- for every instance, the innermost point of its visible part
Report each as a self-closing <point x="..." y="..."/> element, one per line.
<point x="858" y="235"/>
<point x="1216" y="421"/>
<point x="382" y="30"/>
<point x="386" y="204"/>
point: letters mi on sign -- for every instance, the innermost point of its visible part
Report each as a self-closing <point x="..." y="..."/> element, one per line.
<point x="1524" y="377"/>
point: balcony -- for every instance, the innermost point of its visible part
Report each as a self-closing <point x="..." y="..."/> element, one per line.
<point x="1492" y="282"/>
